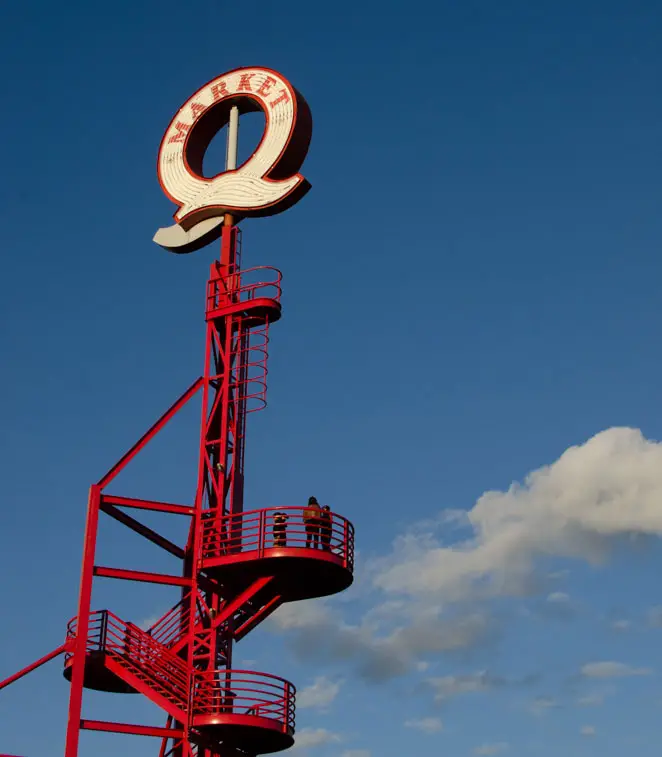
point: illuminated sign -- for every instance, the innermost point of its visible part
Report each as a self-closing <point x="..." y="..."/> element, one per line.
<point x="267" y="183"/>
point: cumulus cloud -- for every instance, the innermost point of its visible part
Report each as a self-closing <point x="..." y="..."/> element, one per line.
<point x="429" y="591"/>
<point x="490" y="749"/>
<point x="319" y="632"/>
<point x="612" y="670"/>
<point x="594" y="495"/>
<point x="426" y="725"/>
<point x="559" y="605"/>
<point x="307" y="738"/>
<point x="319" y="694"/>
<point x="588" y="730"/>
<point x="446" y="688"/>
<point x="356" y="753"/>
<point x="621" y="625"/>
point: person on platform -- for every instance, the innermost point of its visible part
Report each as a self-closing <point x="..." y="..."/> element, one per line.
<point x="311" y="519"/>
<point x="325" y="528"/>
<point x="280" y="529"/>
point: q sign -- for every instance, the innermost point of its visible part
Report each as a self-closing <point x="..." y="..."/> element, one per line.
<point x="266" y="184"/>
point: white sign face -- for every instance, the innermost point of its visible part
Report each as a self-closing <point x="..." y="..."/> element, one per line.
<point x="267" y="183"/>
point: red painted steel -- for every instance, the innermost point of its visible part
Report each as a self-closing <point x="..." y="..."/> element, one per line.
<point x="237" y="566"/>
<point x="141" y="504"/>
<point x="141" y="529"/>
<point x="29" y="668"/>
<point x="141" y="575"/>
<point x="137" y="730"/>
<point x="220" y="693"/>
<point x="150" y="434"/>
<point x="253" y="534"/>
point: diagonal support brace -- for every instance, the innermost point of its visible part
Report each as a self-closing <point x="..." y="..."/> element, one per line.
<point x="42" y="661"/>
<point x="142" y="529"/>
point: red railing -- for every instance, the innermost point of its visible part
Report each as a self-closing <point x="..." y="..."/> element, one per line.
<point x="244" y="286"/>
<point x="169" y="629"/>
<point x="243" y="692"/>
<point x="137" y="651"/>
<point x="260" y="530"/>
<point x="250" y="376"/>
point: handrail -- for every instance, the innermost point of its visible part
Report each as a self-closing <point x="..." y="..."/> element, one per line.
<point x="244" y="286"/>
<point x="258" y="531"/>
<point x="244" y="692"/>
<point x="137" y="650"/>
<point x="170" y="628"/>
<point x="251" y="382"/>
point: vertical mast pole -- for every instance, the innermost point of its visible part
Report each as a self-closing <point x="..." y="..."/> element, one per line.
<point x="230" y="165"/>
<point x="213" y="453"/>
<point x="233" y="140"/>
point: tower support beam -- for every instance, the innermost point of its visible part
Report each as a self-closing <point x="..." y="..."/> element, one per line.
<point x="137" y="730"/>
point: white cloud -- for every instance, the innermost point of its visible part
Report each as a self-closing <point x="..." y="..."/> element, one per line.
<point x="490" y="749"/>
<point x="312" y="737"/>
<point x="427" y="725"/>
<point x="559" y="575"/>
<point x="596" y="495"/>
<point x="588" y="730"/>
<point x="319" y="694"/>
<point x="606" y="489"/>
<point x="148" y="622"/>
<point x="621" y="625"/>
<point x="612" y="670"/>
<point x="356" y="753"/>
<point x="296" y="615"/>
<point x="558" y="597"/>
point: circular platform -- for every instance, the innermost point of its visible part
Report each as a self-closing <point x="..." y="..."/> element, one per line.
<point x="256" y="312"/>
<point x="97" y="675"/>
<point x="250" y="734"/>
<point x="307" y="560"/>
<point x="254" y="293"/>
<point x="250" y="711"/>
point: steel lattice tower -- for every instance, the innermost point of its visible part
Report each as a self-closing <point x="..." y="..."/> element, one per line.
<point x="237" y="565"/>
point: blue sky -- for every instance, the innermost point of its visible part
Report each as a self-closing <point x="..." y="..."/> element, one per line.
<point x="471" y="289"/>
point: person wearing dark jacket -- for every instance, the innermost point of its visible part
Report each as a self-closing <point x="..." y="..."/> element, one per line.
<point x="311" y="519"/>
<point x="325" y="528"/>
<point x="279" y="530"/>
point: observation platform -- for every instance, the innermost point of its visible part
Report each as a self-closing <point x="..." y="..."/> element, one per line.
<point x="107" y="634"/>
<point x="238" y="549"/>
<point x="250" y="711"/>
<point x="244" y="709"/>
<point x="253" y="293"/>
<point x="122" y="658"/>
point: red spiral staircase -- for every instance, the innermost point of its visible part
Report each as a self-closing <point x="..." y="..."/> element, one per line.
<point x="234" y="571"/>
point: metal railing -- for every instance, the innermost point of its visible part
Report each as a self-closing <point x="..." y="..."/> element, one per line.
<point x="277" y="528"/>
<point x="137" y="651"/>
<point x="244" y="692"/>
<point x="249" y="379"/>
<point x="172" y="626"/>
<point x="244" y="286"/>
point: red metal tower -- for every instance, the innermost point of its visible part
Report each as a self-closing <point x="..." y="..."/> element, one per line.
<point x="238" y="566"/>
